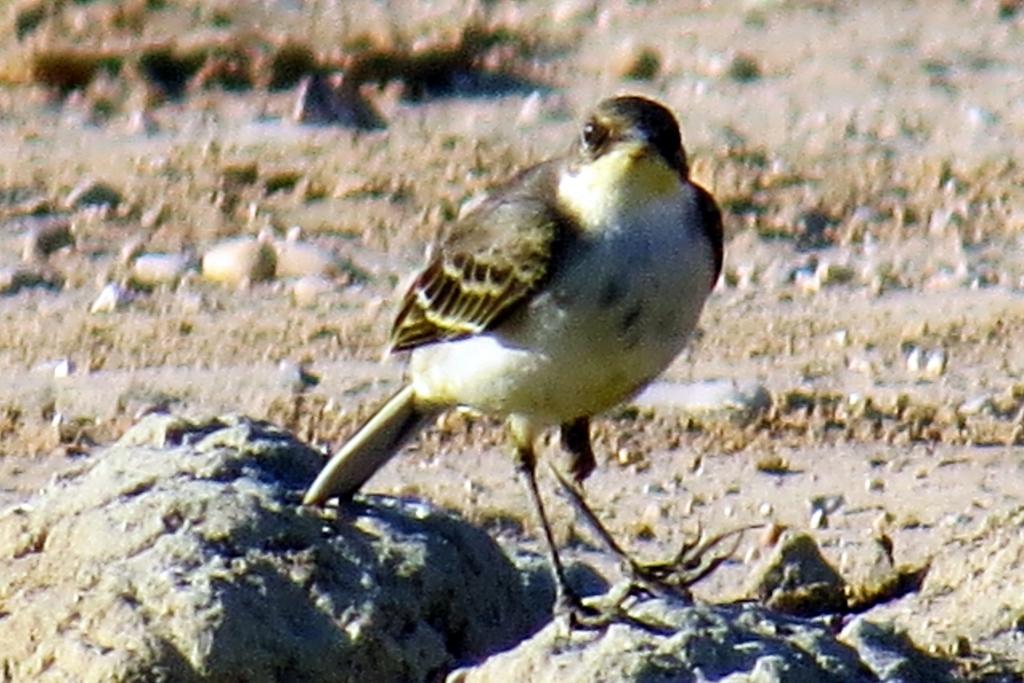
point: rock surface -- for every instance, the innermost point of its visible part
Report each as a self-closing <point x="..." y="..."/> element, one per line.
<point x="737" y="643"/>
<point x="181" y="554"/>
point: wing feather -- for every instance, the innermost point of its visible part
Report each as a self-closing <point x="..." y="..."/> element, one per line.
<point x="491" y="262"/>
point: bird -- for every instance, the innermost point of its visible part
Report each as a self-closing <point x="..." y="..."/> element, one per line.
<point x="560" y="295"/>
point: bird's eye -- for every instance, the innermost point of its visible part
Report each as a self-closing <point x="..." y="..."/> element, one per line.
<point x="594" y="136"/>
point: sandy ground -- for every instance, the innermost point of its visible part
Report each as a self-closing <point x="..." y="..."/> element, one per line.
<point x="867" y="159"/>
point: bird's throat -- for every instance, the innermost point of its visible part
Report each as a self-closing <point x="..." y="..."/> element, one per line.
<point x="601" y="192"/>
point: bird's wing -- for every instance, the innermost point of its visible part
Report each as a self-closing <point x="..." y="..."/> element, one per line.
<point x="491" y="262"/>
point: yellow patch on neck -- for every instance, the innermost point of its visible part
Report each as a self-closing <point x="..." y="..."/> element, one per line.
<point x="621" y="180"/>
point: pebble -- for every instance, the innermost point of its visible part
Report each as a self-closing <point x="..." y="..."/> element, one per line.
<point x="807" y="281"/>
<point x="530" y="111"/>
<point x="295" y="376"/>
<point x="770" y="535"/>
<point x="823" y="506"/>
<point x="636" y="62"/>
<point x="745" y="275"/>
<point x="652" y="514"/>
<point x="861" y="365"/>
<point x="153" y="216"/>
<point x="935" y="366"/>
<point x="709" y="396"/>
<point x="975" y="406"/>
<point x="324" y="100"/>
<point x="65" y="367"/>
<point x="915" y="360"/>
<point x="306" y="291"/>
<point x="152" y="270"/>
<point x="744" y="68"/>
<point x="626" y="456"/>
<point x="299" y="259"/>
<point x="45" y="238"/>
<point x="241" y="261"/>
<point x="111" y="298"/>
<point x="13" y="280"/>
<point x="772" y="463"/>
<point x="90" y="192"/>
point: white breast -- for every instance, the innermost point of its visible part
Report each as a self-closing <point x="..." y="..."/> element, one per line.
<point x="613" y="319"/>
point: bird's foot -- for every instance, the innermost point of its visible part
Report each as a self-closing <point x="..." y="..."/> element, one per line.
<point x="696" y="559"/>
<point x="600" y="612"/>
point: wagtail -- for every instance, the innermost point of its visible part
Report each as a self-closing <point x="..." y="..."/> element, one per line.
<point x="562" y="294"/>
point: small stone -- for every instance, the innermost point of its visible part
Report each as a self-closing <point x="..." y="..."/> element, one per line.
<point x="708" y="397"/>
<point x="915" y="360"/>
<point x="891" y="655"/>
<point x="111" y="298"/>
<point x="65" y="367"/>
<point x="626" y="456"/>
<point x="153" y="270"/>
<point x="529" y="112"/>
<point x="153" y="216"/>
<point x="975" y="406"/>
<point x="819" y="519"/>
<point x="13" y="280"/>
<point x="306" y="291"/>
<point x="637" y="62"/>
<point x="90" y="192"/>
<point x="745" y="276"/>
<point x="796" y="579"/>
<point x="296" y="376"/>
<point x="808" y="281"/>
<point x="772" y="463"/>
<point x="834" y="273"/>
<point x="241" y="261"/>
<point x="744" y="68"/>
<point x="648" y="521"/>
<point x="935" y="366"/>
<point x="301" y="259"/>
<point x="860" y="364"/>
<point x="881" y="523"/>
<point x="47" y="237"/>
<point x="334" y="100"/>
<point x="770" y="535"/>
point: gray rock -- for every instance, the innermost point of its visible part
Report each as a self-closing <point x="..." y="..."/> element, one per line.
<point x="46" y="235"/>
<point x="892" y="656"/>
<point x="181" y="554"/>
<point x="91" y="192"/>
<point x="796" y="579"/>
<point x="735" y="643"/>
<point x="13" y="280"/>
<point x="708" y="397"/>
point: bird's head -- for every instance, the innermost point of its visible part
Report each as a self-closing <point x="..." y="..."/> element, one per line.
<point x="628" y="152"/>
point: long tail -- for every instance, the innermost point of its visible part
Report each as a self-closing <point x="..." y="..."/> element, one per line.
<point x="368" y="449"/>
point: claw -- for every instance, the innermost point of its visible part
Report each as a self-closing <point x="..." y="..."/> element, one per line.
<point x="597" y="614"/>
<point x="694" y="561"/>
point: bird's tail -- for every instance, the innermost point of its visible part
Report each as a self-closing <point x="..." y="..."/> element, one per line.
<point x="368" y="449"/>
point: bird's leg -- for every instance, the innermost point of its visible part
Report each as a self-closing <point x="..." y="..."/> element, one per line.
<point x="576" y="441"/>
<point x="566" y="600"/>
<point x="526" y="463"/>
<point x="694" y="561"/>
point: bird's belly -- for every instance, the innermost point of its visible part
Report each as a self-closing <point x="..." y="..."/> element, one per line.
<point x="611" y="321"/>
<point x="575" y="350"/>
